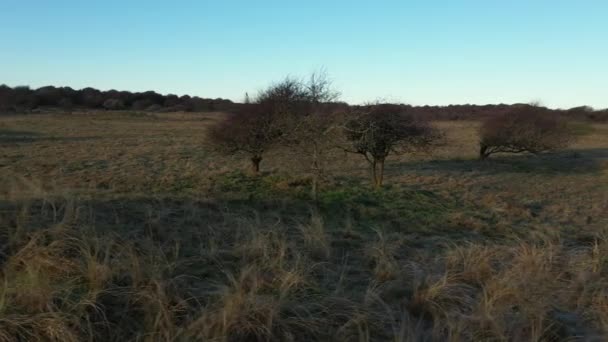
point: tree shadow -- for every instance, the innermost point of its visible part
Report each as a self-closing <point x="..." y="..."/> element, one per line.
<point x="9" y="136"/>
<point x="171" y="218"/>
<point x="579" y="161"/>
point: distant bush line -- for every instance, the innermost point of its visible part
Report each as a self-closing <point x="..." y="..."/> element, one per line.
<point x="23" y="99"/>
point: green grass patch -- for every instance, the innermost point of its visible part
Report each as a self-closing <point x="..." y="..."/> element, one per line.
<point x="398" y="208"/>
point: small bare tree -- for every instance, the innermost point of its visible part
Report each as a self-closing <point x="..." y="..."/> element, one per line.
<point x="293" y="113"/>
<point x="261" y="125"/>
<point x="528" y="128"/>
<point x="376" y="131"/>
<point x="312" y="129"/>
<point x="252" y="132"/>
<point x="284" y="98"/>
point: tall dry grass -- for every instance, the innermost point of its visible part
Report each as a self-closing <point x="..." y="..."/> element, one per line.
<point x="121" y="241"/>
<point x="65" y="279"/>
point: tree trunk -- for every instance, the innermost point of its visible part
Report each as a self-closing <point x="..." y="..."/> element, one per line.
<point x="315" y="186"/>
<point x="483" y="152"/>
<point x="380" y="173"/>
<point x="373" y="172"/>
<point x="316" y="170"/>
<point x="255" y="164"/>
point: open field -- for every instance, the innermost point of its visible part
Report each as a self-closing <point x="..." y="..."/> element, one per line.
<point x="125" y="226"/>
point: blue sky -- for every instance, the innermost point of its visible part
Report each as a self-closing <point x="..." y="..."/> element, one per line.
<point x="418" y="52"/>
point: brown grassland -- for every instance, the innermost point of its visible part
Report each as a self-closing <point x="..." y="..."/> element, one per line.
<point x="126" y="227"/>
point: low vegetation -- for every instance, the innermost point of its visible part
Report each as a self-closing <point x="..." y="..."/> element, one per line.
<point x="379" y="130"/>
<point x="528" y="129"/>
<point x="131" y="226"/>
<point x="252" y="133"/>
<point x="23" y="99"/>
<point x="222" y="272"/>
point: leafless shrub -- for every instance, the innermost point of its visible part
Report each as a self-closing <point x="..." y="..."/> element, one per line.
<point x="259" y="126"/>
<point x="252" y="132"/>
<point x="289" y="112"/>
<point x="525" y="129"/>
<point x="311" y="130"/>
<point x="376" y="131"/>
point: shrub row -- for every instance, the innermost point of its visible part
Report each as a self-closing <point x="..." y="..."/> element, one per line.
<point x="23" y="98"/>
<point x="304" y="116"/>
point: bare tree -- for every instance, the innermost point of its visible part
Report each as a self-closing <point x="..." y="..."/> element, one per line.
<point x="311" y="129"/>
<point x="291" y="112"/>
<point x="376" y="131"/>
<point x="259" y="126"/>
<point x="528" y="128"/>
<point x="252" y="132"/>
<point x="285" y="98"/>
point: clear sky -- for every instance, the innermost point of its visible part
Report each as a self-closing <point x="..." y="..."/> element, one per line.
<point x="418" y="52"/>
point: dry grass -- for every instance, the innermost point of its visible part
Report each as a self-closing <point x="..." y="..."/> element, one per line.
<point x="123" y="227"/>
